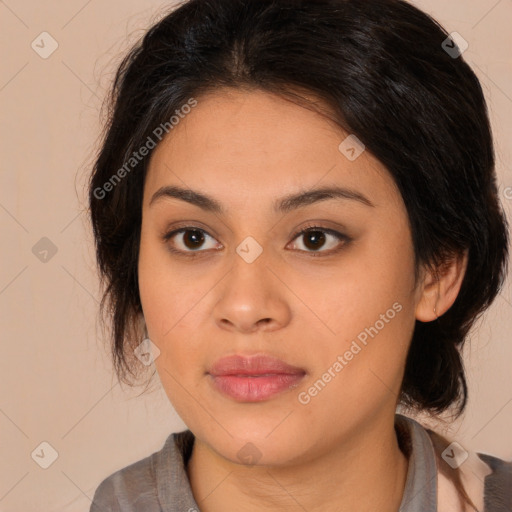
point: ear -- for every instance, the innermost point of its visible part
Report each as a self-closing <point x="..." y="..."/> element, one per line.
<point x="440" y="287"/>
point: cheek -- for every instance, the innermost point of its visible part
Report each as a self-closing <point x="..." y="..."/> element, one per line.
<point x="358" y="370"/>
<point x="368" y="280"/>
<point x="168" y="299"/>
<point x="165" y="289"/>
<point x="368" y="305"/>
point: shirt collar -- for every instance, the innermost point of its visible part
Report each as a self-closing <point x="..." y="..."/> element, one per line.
<point x="420" y="493"/>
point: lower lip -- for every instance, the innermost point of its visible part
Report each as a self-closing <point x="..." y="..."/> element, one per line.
<point x="255" y="389"/>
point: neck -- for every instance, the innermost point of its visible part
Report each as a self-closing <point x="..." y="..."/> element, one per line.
<point x="366" y="473"/>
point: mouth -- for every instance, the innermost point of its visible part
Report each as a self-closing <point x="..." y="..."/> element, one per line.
<point x="254" y="379"/>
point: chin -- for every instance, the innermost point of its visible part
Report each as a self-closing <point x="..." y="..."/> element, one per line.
<point x="254" y="446"/>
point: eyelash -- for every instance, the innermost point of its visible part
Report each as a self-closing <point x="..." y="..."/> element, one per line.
<point x="309" y="228"/>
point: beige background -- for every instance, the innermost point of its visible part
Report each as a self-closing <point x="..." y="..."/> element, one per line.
<point x="56" y="379"/>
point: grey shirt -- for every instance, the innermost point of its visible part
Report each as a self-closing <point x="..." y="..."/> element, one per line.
<point x="159" y="482"/>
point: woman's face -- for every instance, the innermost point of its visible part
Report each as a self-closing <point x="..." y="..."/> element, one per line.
<point x="341" y="310"/>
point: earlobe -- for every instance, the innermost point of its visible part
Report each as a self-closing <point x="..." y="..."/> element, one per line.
<point x="440" y="288"/>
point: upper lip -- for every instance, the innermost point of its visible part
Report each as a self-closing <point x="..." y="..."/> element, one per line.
<point x="259" y="364"/>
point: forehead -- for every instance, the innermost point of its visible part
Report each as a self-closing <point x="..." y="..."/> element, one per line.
<point x="254" y="142"/>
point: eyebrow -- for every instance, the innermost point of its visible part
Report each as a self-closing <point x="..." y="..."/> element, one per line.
<point x="284" y="204"/>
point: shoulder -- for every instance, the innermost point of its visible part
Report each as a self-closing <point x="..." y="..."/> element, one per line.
<point x="131" y="488"/>
<point x="498" y="484"/>
<point x="467" y="477"/>
<point x="467" y="481"/>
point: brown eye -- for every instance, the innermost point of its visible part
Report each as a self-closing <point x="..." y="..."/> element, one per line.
<point x="190" y="240"/>
<point x="193" y="239"/>
<point x="316" y="239"/>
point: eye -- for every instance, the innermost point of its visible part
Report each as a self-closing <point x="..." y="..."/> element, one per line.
<point x="191" y="239"/>
<point x="317" y="237"/>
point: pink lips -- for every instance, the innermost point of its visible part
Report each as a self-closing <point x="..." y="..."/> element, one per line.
<point x="253" y="379"/>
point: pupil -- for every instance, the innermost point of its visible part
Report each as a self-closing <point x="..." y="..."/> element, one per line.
<point x="197" y="238"/>
<point x="317" y="237"/>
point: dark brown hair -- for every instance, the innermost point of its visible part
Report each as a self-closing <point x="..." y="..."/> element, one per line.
<point x="382" y="68"/>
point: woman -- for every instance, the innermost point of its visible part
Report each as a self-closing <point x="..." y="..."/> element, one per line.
<point x="296" y="216"/>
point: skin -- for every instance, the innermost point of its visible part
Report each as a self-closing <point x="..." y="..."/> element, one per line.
<point x="339" y="451"/>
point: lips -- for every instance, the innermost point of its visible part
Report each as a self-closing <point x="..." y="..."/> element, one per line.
<point x="255" y="378"/>
<point x="257" y="365"/>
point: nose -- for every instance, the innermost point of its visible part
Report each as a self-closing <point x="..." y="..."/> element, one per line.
<point x="252" y="298"/>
